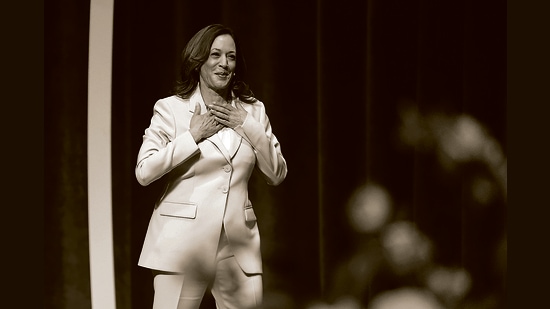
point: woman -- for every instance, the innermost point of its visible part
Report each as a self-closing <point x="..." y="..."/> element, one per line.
<point x="205" y="142"/>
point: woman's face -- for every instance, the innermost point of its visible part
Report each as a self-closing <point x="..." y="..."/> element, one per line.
<point x="218" y="69"/>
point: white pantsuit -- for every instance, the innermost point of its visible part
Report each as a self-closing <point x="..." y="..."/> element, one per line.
<point x="206" y="189"/>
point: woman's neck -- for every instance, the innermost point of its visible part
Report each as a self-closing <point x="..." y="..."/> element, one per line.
<point x="210" y="96"/>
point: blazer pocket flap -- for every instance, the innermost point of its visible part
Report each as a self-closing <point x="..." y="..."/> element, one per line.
<point x="249" y="215"/>
<point x="178" y="210"/>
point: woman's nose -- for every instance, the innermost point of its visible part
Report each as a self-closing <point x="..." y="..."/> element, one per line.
<point x="224" y="63"/>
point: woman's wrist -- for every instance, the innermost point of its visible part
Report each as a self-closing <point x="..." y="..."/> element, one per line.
<point x="196" y="136"/>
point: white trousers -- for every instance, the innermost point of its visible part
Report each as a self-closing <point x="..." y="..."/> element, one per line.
<point x="231" y="287"/>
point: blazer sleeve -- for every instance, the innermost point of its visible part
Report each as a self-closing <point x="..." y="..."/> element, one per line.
<point x="258" y="132"/>
<point x="162" y="149"/>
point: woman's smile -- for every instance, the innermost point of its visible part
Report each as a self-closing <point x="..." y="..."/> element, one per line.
<point x="223" y="75"/>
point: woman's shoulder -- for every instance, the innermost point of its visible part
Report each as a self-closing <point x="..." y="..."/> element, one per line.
<point x="170" y="104"/>
<point x="256" y="109"/>
<point x="254" y="104"/>
<point x="172" y="99"/>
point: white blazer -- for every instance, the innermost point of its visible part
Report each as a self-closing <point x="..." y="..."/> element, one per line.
<point x="207" y="186"/>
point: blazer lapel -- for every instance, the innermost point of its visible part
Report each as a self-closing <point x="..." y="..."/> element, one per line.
<point x="215" y="139"/>
<point x="235" y="143"/>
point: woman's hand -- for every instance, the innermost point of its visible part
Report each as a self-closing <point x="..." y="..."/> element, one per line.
<point x="228" y="115"/>
<point x="203" y="126"/>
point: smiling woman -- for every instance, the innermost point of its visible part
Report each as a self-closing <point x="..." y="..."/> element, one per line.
<point x="213" y="50"/>
<point x="216" y="72"/>
<point x="204" y="142"/>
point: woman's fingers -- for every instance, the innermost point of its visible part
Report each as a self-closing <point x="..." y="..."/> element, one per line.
<point x="223" y="109"/>
<point x="228" y="115"/>
<point x="220" y="116"/>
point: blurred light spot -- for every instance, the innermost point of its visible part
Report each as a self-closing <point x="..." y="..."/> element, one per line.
<point x="346" y="303"/>
<point x="405" y="298"/>
<point x="411" y="129"/>
<point x="449" y="284"/>
<point x="369" y="208"/>
<point x="407" y="249"/>
<point x="492" y="152"/>
<point x="483" y="190"/>
<point x="465" y="140"/>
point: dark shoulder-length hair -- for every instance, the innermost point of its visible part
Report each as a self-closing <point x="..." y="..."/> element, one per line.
<point x="197" y="51"/>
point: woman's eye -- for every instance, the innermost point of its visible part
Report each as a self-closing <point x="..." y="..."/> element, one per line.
<point x="215" y="54"/>
<point x="232" y="57"/>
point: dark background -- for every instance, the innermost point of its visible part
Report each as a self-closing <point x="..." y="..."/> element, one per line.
<point x="332" y="75"/>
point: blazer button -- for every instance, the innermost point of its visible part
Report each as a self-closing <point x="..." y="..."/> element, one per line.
<point x="227" y="168"/>
<point x="224" y="189"/>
